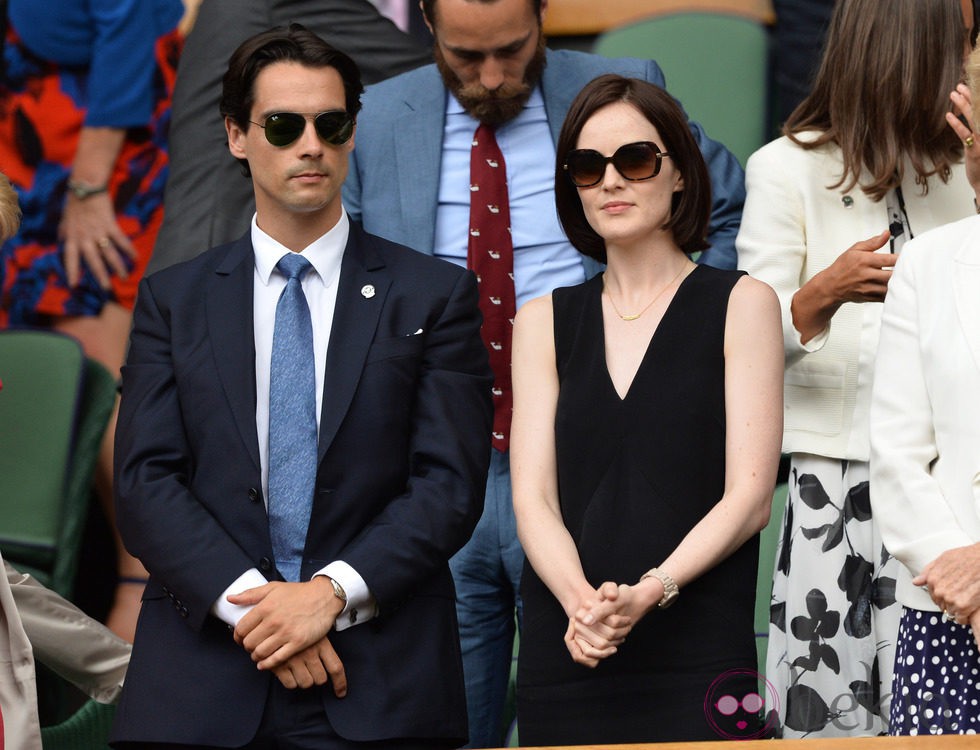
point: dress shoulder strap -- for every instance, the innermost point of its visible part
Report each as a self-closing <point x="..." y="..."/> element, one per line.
<point x="572" y="307"/>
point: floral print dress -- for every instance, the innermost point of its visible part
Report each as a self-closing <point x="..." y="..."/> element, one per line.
<point x="832" y="631"/>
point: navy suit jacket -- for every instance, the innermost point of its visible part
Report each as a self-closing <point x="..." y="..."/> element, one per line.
<point x="403" y="454"/>
<point x="393" y="183"/>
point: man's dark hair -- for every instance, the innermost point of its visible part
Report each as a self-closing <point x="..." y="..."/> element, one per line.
<point x="429" y="9"/>
<point x="293" y="44"/>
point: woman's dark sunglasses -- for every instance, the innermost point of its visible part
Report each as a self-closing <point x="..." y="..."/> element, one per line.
<point x="634" y="161"/>
<point x="282" y="128"/>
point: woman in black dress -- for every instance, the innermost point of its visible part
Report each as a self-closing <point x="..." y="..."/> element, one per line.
<point x="647" y="424"/>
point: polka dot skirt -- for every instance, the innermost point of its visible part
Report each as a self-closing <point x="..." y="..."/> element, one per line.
<point x="936" y="686"/>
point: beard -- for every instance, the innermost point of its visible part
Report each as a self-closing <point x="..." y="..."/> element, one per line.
<point x="500" y="105"/>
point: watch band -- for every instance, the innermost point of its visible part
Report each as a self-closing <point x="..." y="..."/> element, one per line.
<point x="82" y="191"/>
<point x="671" y="590"/>
<point x="338" y="590"/>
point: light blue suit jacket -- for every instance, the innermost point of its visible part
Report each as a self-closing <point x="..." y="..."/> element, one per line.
<point x="393" y="184"/>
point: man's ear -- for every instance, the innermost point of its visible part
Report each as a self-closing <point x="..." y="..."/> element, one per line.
<point x="544" y="8"/>
<point x="426" y="19"/>
<point x="236" y="138"/>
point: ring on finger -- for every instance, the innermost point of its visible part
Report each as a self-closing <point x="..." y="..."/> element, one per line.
<point x="104" y="243"/>
<point x="969" y="141"/>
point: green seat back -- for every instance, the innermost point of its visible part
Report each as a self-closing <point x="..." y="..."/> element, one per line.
<point x="42" y="377"/>
<point x="715" y="64"/>
<point x="54" y="407"/>
<point x="86" y="729"/>
<point x="97" y="404"/>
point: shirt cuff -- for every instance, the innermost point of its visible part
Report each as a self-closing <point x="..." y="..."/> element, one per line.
<point x="361" y="606"/>
<point x="816" y="343"/>
<point x="231" y="613"/>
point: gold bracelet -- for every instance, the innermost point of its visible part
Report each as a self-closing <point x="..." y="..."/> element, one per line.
<point x="671" y="590"/>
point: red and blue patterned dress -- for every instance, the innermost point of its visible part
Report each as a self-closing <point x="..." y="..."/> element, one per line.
<point x="69" y="64"/>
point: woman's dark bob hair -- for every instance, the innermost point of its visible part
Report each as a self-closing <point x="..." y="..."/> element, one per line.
<point x="690" y="207"/>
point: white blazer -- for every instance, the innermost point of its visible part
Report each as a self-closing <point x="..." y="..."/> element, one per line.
<point x="793" y="227"/>
<point x="925" y="408"/>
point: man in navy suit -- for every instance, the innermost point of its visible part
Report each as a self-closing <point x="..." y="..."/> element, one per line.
<point x="360" y="647"/>
<point x="409" y="182"/>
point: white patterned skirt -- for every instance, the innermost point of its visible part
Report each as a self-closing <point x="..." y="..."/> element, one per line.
<point x="833" y="616"/>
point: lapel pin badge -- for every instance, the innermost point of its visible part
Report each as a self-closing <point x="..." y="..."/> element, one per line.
<point x="367" y="291"/>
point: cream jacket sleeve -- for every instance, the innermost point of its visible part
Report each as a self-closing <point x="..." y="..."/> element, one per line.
<point x="920" y="488"/>
<point x="20" y="729"/>
<point x="772" y="241"/>
<point x="68" y="641"/>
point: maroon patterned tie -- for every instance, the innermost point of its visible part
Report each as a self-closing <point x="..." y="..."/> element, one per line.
<point x="491" y="257"/>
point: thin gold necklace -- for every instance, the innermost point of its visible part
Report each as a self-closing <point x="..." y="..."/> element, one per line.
<point x="650" y="303"/>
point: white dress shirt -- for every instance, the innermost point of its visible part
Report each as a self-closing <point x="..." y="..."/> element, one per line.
<point x="320" y="288"/>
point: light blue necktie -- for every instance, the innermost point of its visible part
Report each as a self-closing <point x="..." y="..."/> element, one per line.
<point x="292" y="421"/>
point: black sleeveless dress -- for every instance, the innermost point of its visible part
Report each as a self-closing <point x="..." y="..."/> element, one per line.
<point x="635" y="476"/>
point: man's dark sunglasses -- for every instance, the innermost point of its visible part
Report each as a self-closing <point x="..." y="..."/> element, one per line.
<point x="634" y="161"/>
<point x="282" y="128"/>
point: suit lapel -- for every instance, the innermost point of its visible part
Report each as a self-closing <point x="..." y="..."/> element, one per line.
<point x="229" y="317"/>
<point x="966" y="281"/>
<point x="419" y="159"/>
<point x="361" y="293"/>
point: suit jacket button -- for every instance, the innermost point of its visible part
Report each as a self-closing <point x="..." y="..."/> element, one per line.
<point x="265" y="564"/>
<point x="254" y="495"/>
